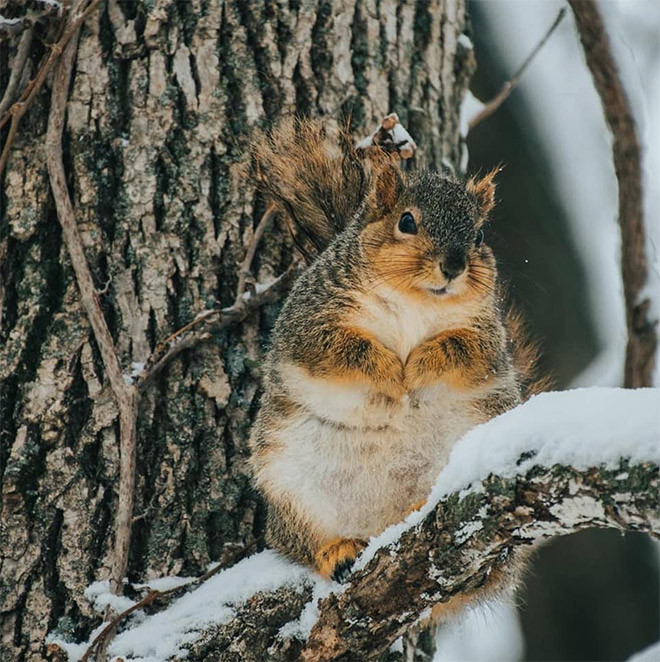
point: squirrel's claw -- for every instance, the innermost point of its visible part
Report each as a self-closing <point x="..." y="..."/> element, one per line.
<point x="343" y="570"/>
<point x="335" y="559"/>
<point x="392" y="137"/>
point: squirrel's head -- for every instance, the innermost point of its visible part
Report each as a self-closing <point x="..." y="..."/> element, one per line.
<point x="424" y="235"/>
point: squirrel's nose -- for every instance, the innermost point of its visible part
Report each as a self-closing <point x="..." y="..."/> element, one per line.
<point x="452" y="267"/>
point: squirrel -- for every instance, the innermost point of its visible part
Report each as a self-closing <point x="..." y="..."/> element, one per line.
<point x="389" y="347"/>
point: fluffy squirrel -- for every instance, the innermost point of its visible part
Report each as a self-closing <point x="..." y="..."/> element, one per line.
<point x="388" y="349"/>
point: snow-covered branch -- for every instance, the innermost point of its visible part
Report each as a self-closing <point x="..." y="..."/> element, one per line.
<point x="560" y="463"/>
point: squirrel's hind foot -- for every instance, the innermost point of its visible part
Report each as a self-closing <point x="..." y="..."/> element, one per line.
<point x="335" y="559"/>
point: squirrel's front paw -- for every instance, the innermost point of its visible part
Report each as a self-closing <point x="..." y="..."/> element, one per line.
<point x="335" y="559"/>
<point x="392" y="391"/>
<point x="417" y="373"/>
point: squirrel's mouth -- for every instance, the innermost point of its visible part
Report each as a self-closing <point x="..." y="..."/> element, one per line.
<point x="438" y="291"/>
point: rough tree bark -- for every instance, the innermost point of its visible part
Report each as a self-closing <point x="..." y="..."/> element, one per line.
<point x="163" y="95"/>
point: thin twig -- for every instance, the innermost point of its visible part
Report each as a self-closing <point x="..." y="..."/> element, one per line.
<point x="252" y="249"/>
<point x="105" y="633"/>
<point x="18" y="110"/>
<point x="125" y="395"/>
<point x="102" y="638"/>
<point x="218" y="318"/>
<point x="240" y="290"/>
<point x="213" y="321"/>
<point x="509" y="86"/>
<point x="17" y="66"/>
<point x="11" y="27"/>
<point x="642" y="336"/>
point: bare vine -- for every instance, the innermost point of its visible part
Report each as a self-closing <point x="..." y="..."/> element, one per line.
<point x="20" y="107"/>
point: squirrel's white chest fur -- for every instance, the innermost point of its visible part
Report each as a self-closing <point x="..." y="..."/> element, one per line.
<point x="402" y="324"/>
<point x="353" y="463"/>
<point x="354" y="482"/>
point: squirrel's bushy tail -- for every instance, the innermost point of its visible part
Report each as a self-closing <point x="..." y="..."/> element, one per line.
<point x="525" y="355"/>
<point x="316" y="178"/>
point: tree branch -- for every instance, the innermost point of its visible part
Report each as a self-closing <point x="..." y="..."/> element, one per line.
<point x="642" y="336"/>
<point x="247" y="300"/>
<point x="211" y="321"/>
<point x="559" y="463"/>
<point x="17" y="67"/>
<point x="244" y="271"/>
<point x="491" y="106"/>
<point x="455" y="552"/>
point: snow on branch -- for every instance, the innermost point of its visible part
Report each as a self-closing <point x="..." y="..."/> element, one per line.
<point x="560" y="463"/>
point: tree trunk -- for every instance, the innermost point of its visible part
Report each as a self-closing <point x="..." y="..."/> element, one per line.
<point x="163" y="97"/>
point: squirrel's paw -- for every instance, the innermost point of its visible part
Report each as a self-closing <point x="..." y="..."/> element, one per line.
<point x="416" y="373"/>
<point x="335" y="559"/>
<point x="392" y="137"/>
<point x="391" y="391"/>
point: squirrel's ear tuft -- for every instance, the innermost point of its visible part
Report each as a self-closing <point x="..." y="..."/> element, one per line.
<point x="484" y="190"/>
<point x="388" y="184"/>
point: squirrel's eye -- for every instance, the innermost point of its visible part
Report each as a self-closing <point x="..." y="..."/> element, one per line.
<point x="479" y="239"/>
<point x="407" y="224"/>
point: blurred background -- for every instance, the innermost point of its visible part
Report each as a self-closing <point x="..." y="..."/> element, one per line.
<point x="594" y="595"/>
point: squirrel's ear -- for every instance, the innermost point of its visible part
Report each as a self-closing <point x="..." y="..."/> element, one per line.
<point x="389" y="185"/>
<point x="484" y="190"/>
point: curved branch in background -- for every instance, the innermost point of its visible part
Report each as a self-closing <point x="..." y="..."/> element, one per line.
<point x="642" y="336"/>
<point x="17" y="110"/>
<point x="211" y="321"/>
<point x="17" y="67"/>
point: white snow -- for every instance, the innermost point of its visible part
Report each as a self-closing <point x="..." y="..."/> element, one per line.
<point x="74" y="651"/>
<point x="136" y="370"/>
<point x="300" y="628"/>
<point x="650" y="654"/>
<point x="398" y="134"/>
<point x="100" y="596"/>
<point x="465" y="42"/>
<point x="469" y="108"/>
<point x="259" y="288"/>
<point x="166" y="583"/>
<point x="165" y="634"/>
<point x="581" y="428"/>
